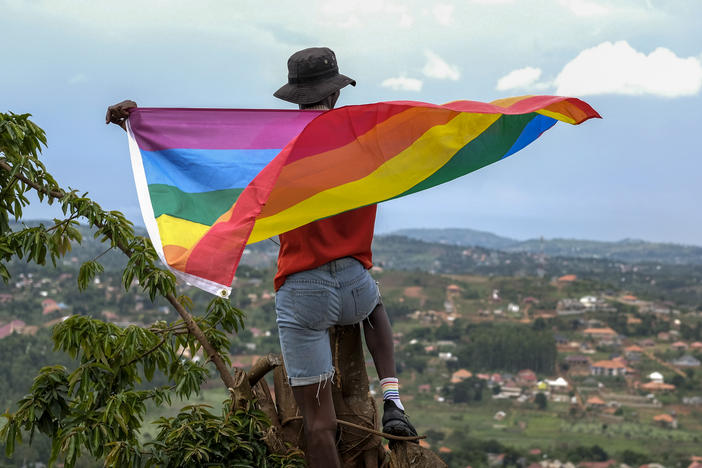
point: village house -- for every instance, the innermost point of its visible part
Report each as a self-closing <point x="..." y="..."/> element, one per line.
<point x="656" y="377"/>
<point x="595" y="402"/>
<point x="633" y="352"/>
<point x="460" y="375"/>
<point x="578" y="364"/>
<point x="686" y="361"/>
<point x="657" y="387"/>
<point x="666" y="420"/>
<point x="602" y="335"/>
<point x="15" y="326"/>
<point x="49" y="306"/>
<point x="526" y="377"/>
<point x="679" y="346"/>
<point x="560" y="384"/>
<point x="609" y="368"/>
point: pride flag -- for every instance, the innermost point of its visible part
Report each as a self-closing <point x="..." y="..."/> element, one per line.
<point x="211" y="181"/>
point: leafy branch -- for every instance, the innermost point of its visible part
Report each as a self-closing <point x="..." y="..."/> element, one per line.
<point x="96" y="407"/>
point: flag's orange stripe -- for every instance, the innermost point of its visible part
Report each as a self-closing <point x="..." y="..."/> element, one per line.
<point x="307" y="177"/>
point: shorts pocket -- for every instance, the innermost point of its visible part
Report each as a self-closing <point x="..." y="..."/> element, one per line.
<point x="311" y="308"/>
<point x="365" y="298"/>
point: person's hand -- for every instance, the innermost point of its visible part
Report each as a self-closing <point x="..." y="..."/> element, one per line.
<point x="118" y="113"/>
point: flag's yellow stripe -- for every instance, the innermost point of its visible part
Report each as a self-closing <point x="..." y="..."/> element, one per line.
<point x="422" y="158"/>
<point x="181" y="232"/>
<point x="557" y="116"/>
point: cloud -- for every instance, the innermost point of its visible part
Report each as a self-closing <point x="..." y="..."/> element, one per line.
<point x="492" y="2"/>
<point x="402" y="83"/>
<point x="437" y="68"/>
<point x="443" y="12"/>
<point x="617" y="68"/>
<point x="78" y="79"/>
<point x="585" y="7"/>
<point x="521" y="78"/>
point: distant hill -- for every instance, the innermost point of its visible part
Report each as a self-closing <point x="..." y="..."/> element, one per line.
<point x="456" y="236"/>
<point x="627" y="250"/>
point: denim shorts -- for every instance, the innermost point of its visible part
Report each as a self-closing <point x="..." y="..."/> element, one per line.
<point x="341" y="292"/>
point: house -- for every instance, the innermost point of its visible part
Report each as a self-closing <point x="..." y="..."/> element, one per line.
<point x="567" y="278"/>
<point x="656" y="377"/>
<point x="631" y="320"/>
<point x="15" y="326"/>
<point x="657" y="387"/>
<point x="561" y="340"/>
<point x="600" y="333"/>
<point x="577" y="360"/>
<point x="633" y="352"/>
<point x="526" y="376"/>
<point x="666" y="420"/>
<point x="559" y="384"/>
<point x="49" y="306"/>
<point x="595" y="402"/>
<point x="663" y="336"/>
<point x="696" y="346"/>
<point x="679" y="346"/>
<point x="608" y="368"/>
<point x="461" y="375"/>
<point x="686" y="361"/>
<point x="5" y="298"/>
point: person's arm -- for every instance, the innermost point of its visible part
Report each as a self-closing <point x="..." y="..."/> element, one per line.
<point x="118" y="113"/>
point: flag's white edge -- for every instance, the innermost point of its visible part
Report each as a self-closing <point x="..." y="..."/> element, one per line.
<point x="147" y="214"/>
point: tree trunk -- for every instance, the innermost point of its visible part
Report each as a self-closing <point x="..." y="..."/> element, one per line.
<point x="352" y="402"/>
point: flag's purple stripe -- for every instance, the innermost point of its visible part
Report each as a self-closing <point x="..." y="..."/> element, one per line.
<point x="159" y="129"/>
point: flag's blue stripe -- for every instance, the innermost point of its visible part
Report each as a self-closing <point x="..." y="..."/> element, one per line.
<point x="538" y="125"/>
<point x="198" y="170"/>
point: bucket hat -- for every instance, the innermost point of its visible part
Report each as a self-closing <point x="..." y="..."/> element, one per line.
<point x="313" y="74"/>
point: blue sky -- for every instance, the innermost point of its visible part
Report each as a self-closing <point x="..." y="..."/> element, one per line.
<point x="634" y="174"/>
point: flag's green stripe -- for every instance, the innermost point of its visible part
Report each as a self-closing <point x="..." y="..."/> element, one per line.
<point x="202" y="207"/>
<point x="486" y="149"/>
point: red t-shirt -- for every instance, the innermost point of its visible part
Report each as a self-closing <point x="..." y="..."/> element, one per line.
<point x="348" y="234"/>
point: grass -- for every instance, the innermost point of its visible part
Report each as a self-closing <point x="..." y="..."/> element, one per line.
<point x="527" y="428"/>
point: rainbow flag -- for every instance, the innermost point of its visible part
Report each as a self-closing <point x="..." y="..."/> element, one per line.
<point x="211" y="181"/>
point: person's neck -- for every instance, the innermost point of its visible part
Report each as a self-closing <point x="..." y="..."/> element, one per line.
<point x="318" y="107"/>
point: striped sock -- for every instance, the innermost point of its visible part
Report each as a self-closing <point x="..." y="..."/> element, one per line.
<point x="391" y="391"/>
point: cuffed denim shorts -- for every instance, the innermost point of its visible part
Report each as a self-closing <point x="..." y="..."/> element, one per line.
<point x="341" y="292"/>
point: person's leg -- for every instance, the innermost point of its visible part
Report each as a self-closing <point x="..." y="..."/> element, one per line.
<point x="319" y="420"/>
<point x="304" y="305"/>
<point x="378" y="334"/>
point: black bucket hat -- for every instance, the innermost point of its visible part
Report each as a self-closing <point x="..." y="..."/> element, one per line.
<point x="313" y="74"/>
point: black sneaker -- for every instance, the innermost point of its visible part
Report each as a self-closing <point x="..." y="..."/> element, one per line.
<point x="396" y="422"/>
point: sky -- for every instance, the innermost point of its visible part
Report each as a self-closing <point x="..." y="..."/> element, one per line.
<point x="633" y="174"/>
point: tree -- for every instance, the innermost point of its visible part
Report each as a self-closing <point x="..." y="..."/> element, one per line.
<point x="541" y="401"/>
<point x="98" y="408"/>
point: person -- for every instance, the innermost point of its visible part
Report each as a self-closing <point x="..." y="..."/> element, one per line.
<point x="323" y="280"/>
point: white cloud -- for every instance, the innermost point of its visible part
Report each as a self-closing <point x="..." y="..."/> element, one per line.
<point x="521" y="78"/>
<point x="443" y="12"/>
<point x="617" y="68"/>
<point x="402" y="83"/>
<point x="585" y="7"/>
<point x="78" y="79"/>
<point x="436" y="67"/>
<point x="492" y="2"/>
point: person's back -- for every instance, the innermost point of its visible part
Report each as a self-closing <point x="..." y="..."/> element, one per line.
<point x="347" y="234"/>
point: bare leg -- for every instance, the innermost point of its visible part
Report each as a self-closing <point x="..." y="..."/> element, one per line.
<point x="315" y="402"/>
<point x="378" y="333"/>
